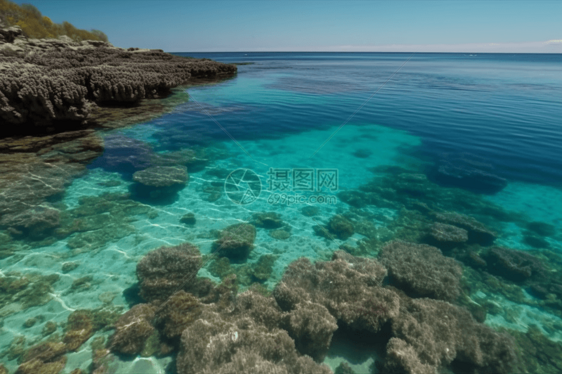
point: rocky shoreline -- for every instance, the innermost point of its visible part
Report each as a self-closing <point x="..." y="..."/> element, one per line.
<point x="54" y="92"/>
<point x="50" y="83"/>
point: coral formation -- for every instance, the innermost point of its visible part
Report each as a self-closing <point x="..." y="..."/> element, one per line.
<point x="468" y="172"/>
<point x="157" y="182"/>
<point x="236" y="241"/>
<point x="428" y="334"/>
<point x="133" y="329"/>
<point x="514" y="265"/>
<point x="79" y="328"/>
<point x="422" y="270"/>
<point x="161" y="176"/>
<point x="537" y="353"/>
<point x="176" y="314"/>
<point x="269" y="220"/>
<point x="166" y="270"/>
<point x="338" y="227"/>
<point x="188" y="219"/>
<point x="246" y="340"/>
<point x="279" y="234"/>
<point x="19" y="291"/>
<point x="348" y="287"/>
<point x="341" y="227"/>
<point x="311" y="326"/>
<point x="477" y="232"/>
<point x="445" y="236"/>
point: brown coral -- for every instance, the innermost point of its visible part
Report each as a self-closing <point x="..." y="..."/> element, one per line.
<point x="429" y="334"/>
<point x="422" y="270"/>
<point x="133" y="329"/>
<point x="166" y="270"/>
<point x="349" y="287"/>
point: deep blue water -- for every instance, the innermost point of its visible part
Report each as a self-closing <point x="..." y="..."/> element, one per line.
<point x="501" y="109"/>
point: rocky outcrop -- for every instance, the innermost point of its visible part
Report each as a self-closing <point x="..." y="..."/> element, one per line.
<point x="348" y="287"/>
<point x="422" y="270"/>
<point x="34" y="169"/>
<point x="167" y="270"/>
<point x="236" y="241"/>
<point x="52" y="80"/>
<point x="248" y="340"/>
<point x="429" y="334"/>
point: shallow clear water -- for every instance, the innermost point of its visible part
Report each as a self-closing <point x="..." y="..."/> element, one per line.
<point x="483" y="132"/>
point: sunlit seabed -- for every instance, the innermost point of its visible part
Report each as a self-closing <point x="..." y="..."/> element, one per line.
<point x="113" y="265"/>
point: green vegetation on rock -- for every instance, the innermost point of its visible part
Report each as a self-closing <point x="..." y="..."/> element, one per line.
<point x="36" y="25"/>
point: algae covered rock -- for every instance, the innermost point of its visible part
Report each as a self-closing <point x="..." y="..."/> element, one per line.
<point x="338" y="227"/>
<point x="216" y="343"/>
<point x="514" y="265"/>
<point x="162" y="176"/>
<point x="236" y="241"/>
<point x="312" y="327"/>
<point x="188" y="219"/>
<point x="348" y="287"/>
<point x="167" y="270"/>
<point x="430" y="334"/>
<point x="176" y="314"/>
<point x="133" y="329"/>
<point x="35" y="222"/>
<point x="79" y="328"/>
<point x="421" y="270"/>
<point x="445" y="236"/>
<point x="159" y="182"/>
<point x="53" y="80"/>
<point x="341" y="227"/>
<point x="478" y="233"/>
<point x="269" y="220"/>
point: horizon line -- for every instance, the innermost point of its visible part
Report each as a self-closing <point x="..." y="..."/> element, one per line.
<point x="386" y="52"/>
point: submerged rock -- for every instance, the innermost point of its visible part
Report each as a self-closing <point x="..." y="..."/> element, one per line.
<point x="269" y="220"/>
<point x="430" y="334"/>
<point x="541" y="228"/>
<point x="421" y="270"/>
<point x="159" y="182"/>
<point x="167" y="270"/>
<point x="338" y="227"/>
<point x="133" y="329"/>
<point x="341" y="227"/>
<point x="348" y="287"/>
<point x="161" y="176"/>
<point x="310" y="211"/>
<point x="279" y="234"/>
<point x="246" y="340"/>
<point x="478" y="233"/>
<point x="188" y="219"/>
<point x="236" y="241"/>
<point x="467" y="173"/>
<point x="35" y="222"/>
<point x="176" y="314"/>
<point x="445" y="236"/>
<point x="514" y="265"/>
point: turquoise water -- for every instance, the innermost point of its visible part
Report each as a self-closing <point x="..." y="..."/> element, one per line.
<point x="478" y="135"/>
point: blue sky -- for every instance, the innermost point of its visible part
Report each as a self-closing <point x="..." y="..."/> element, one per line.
<point x="330" y="25"/>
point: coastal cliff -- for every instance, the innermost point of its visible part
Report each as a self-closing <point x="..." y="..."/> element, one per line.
<point x="47" y="82"/>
